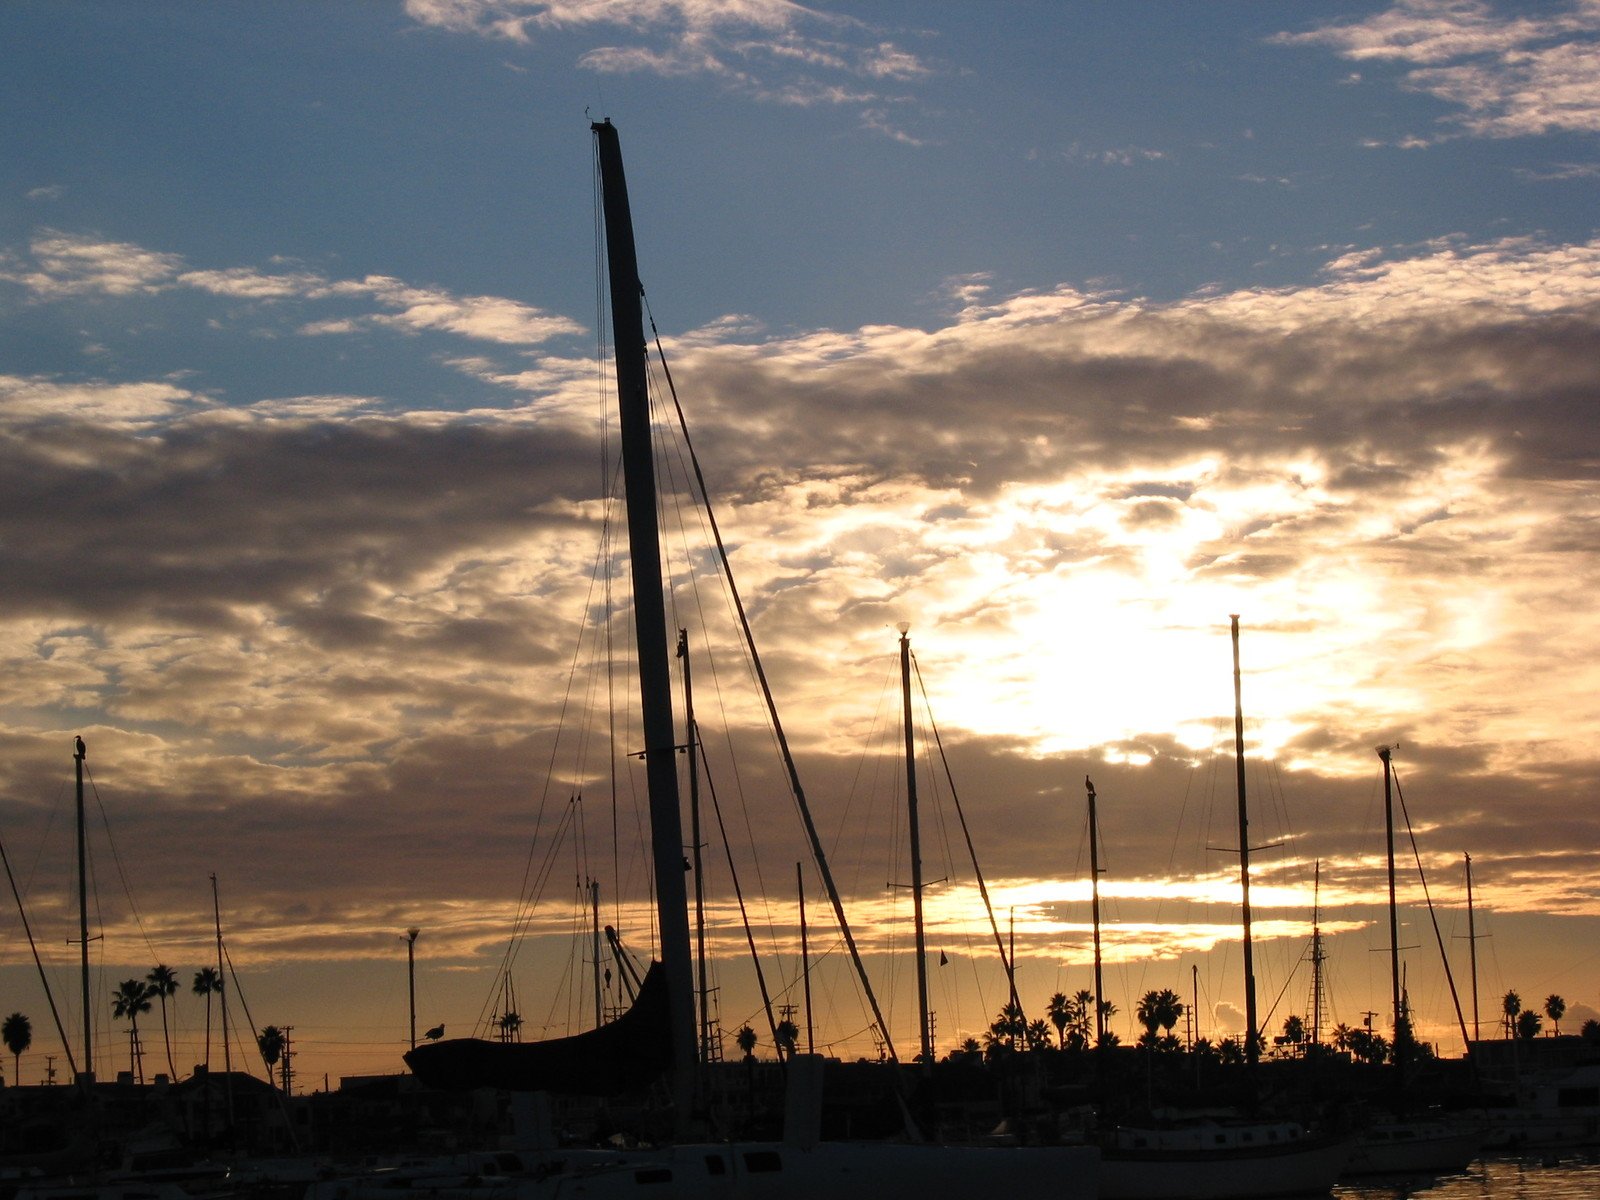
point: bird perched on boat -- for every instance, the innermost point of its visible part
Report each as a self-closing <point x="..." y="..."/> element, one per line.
<point x="434" y="1034"/>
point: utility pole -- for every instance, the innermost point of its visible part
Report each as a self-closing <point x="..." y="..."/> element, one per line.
<point x="285" y="1071"/>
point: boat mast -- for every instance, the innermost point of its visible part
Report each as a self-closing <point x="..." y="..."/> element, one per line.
<point x="1318" y="956"/>
<point x="222" y="991"/>
<point x="691" y="743"/>
<point x="1252" y="1051"/>
<point x="1472" y="951"/>
<point x="1400" y="1033"/>
<point x="594" y="951"/>
<point x="925" y="1033"/>
<point x="1094" y="907"/>
<point x="805" y="955"/>
<point x="650" y="632"/>
<point x="86" y="1076"/>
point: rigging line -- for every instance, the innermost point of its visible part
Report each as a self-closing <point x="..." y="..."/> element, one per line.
<point x="772" y="710"/>
<point x="44" y="980"/>
<point x="727" y="849"/>
<point x="524" y="918"/>
<point x="983" y="890"/>
<point x="127" y="890"/>
<point x="1432" y="915"/>
<point x="692" y="585"/>
<point x="527" y="900"/>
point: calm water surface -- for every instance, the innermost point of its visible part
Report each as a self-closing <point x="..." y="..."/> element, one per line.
<point x="1495" y="1179"/>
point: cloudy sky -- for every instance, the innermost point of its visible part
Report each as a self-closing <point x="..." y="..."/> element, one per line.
<point x="1060" y="331"/>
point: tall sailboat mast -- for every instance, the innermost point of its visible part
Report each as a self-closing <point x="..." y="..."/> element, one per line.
<point x="1318" y="955"/>
<point x="1472" y="951"/>
<point x="649" y="609"/>
<point x="1094" y="906"/>
<point x="691" y="743"/>
<point x="1252" y="1050"/>
<point x="1400" y="1032"/>
<point x="925" y="1033"/>
<point x="86" y="1076"/>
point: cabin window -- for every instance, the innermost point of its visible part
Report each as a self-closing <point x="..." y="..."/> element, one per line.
<point x="1249" y="1137"/>
<point x="756" y="1161"/>
<point x="1577" y="1097"/>
<point x="1219" y="1139"/>
<point x="715" y="1165"/>
<point x="653" y="1175"/>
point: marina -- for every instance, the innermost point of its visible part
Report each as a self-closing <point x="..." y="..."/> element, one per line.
<point x="474" y="726"/>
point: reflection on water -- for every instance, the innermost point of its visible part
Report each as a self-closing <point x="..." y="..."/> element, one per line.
<point x="1493" y="1179"/>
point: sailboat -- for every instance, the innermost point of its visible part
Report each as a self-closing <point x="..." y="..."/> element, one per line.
<point x="1404" y="1145"/>
<point x="1208" y="1158"/>
<point x="799" y="1164"/>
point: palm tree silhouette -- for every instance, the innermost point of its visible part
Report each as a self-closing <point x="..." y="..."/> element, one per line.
<point x="1159" y="1010"/>
<point x="1059" y="1010"/>
<point x="206" y="983"/>
<point x="163" y="981"/>
<point x="1555" y="1008"/>
<point x="746" y="1039"/>
<point x="131" y="998"/>
<point x="510" y="1027"/>
<point x="788" y="1033"/>
<point x="1510" y="1007"/>
<point x="271" y="1044"/>
<point x="18" y="1034"/>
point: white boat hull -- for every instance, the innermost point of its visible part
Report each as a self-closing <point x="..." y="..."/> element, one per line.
<point x="1402" y="1148"/>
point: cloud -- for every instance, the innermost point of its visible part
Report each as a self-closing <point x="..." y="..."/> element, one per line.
<point x="316" y="610"/>
<point x="67" y="265"/>
<point x="42" y="404"/>
<point x="1510" y="74"/>
<point x="771" y="51"/>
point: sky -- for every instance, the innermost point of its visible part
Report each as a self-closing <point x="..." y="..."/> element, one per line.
<point x="1057" y="331"/>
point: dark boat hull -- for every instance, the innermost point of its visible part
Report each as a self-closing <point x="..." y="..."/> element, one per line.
<point x="631" y="1052"/>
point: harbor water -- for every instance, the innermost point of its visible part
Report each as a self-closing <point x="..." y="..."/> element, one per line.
<point x="1568" y="1178"/>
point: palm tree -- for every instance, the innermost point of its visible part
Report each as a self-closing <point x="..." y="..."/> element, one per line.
<point x="788" y="1033"/>
<point x="1107" y="1011"/>
<point x="1555" y="1008"/>
<point x="1059" y="1009"/>
<point x="1083" y="1015"/>
<point x="746" y="1040"/>
<point x="1145" y="1013"/>
<point x="1037" y="1034"/>
<point x="163" y="981"/>
<point x="131" y="998"/>
<point x="1528" y="1023"/>
<point x="1341" y="1036"/>
<point x="510" y="1027"/>
<point x="1170" y="1009"/>
<point x="1510" y="1006"/>
<point x="207" y="982"/>
<point x="1294" y="1031"/>
<point x="18" y="1034"/>
<point x="271" y="1044"/>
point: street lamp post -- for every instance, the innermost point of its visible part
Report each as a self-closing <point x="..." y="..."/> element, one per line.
<point x="411" y="979"/>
